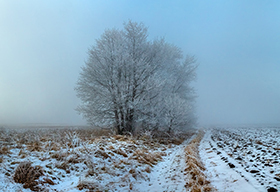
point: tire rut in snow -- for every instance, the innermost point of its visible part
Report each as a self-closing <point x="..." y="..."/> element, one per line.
<point x="168" y="175"/>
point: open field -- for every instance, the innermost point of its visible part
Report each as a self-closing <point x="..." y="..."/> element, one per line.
<point x="242" y="159"/>
<point x="83" y="159"/>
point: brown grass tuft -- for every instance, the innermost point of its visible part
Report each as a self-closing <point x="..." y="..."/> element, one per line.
<point x="49" y="181"/>
<point x="197" y="179"/>
<point x="143" y="156"/>
<point x="201" y="180"/>
<point x="148" y="169"/>
<point x="90" y="185"/>
<point x="4" y="150"/>
<point x="111" y="147"/>
<point x="35" y="146"/>
<point x="196" y="188"/>
<point x="59" y="156"/>
<point x="62" y="165"/>
<point x="120" y="152"/>
<point x="28" y="175"/>
<point x="118" y="137"/>
<point x="74" y="158"/>
<point x="22" y="154"/>
<point x="100" y="153"/>
<point x="208" y="188"/>
<point x="55" y="146"/>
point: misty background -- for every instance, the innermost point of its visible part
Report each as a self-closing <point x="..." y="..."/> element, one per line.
<point x="43" y="45"/>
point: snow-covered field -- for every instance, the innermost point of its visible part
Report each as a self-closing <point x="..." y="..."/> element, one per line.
<point x="55" y="159"/>
<point x="242" y="159"/>
<point x="72" y="159"/>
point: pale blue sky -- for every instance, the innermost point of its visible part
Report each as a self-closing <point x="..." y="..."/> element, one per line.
<point x="236" y="42"/>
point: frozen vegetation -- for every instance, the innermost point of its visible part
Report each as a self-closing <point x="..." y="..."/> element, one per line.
<point x="140" y="91"/>
<point x="83" y="159"/>
<point x="129" y="81"/>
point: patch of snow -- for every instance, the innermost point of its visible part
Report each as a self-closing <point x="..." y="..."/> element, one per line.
<point x="168" y="175"/>
<point x="217" y="162"/>
<point x="107" y="163"/>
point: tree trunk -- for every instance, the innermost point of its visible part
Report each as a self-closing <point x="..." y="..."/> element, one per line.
<point x="129" y="121"/>
<point x="118" y="126"/>
<point x="170" y="126"/>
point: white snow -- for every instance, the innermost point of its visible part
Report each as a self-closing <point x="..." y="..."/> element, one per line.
<point x="168" y="175"/>
<point x="123" y="164"/>
<point x="105" y="163"/>
<point x="237" y="146"/>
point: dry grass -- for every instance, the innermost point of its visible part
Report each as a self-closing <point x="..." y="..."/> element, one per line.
<point x="148" y="169"/>
<point x="90" y="185"/>
<point x="74" y="158"/>
<point x="54" y="146"/>
<point x="62" y="165"/>
<point x="120" y="137"/>
<point x="4" y="150"/>
<point x="87" y="133"/>
<point x="48" y="181"/>
<point x="127" y="156"/>
<point x="59" y="156"/>
<point x="35" y="146"/>
<point x="22" y="154"/>
<point x="120" y="152"/>
<point x="195" y="169"/>
<point x="144" y="157"/>
<point x="28" y="175"/>
<point x="102" y="154"/>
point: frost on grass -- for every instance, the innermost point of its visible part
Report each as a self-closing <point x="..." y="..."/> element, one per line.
<point x="28" y="175"/>
<point x="57" y="159"/>
<point x="197" y="180"/>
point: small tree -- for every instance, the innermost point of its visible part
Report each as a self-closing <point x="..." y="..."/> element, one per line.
<point x="128" y="80"/>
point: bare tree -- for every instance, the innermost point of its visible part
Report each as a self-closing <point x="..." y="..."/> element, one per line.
<point x="128" y="80"/>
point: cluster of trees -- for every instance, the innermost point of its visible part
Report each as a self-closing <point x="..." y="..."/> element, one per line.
<point x="130" y="82"/>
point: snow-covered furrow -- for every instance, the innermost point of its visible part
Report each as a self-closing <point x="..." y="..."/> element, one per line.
<point x="240" y="159"/>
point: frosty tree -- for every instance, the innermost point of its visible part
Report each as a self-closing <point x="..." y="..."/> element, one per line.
<point x="129" y="81"/>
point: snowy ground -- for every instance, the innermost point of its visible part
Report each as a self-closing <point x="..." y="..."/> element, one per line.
<point x="242" y="159"/>
<point x="72" y="160"/>
<point x="168" y="175"/>
<point x="75" y="160"/>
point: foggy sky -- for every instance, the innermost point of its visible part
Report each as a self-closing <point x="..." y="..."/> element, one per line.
<point x="237" y="45"/>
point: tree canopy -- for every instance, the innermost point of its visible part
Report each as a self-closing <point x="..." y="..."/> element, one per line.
<point x="129" y="81"/>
